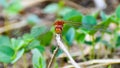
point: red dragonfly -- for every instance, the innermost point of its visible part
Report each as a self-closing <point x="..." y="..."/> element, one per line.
<point x="60" y="23"/>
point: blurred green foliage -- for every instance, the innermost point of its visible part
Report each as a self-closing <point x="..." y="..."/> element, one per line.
<point x="12" y="49"/>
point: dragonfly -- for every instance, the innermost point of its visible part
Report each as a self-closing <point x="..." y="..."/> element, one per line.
<point x="59" y="24"/>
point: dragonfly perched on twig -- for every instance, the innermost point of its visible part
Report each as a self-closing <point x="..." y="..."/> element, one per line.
<point x="59" y="24"/>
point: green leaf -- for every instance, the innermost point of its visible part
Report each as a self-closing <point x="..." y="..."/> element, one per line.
<point x="5" y="41"/>
<point x="80" y="37"/>
<point x="64" y="11"/>
<point x="88" y="22"/>
<point x="17" y="43"/>
<point x="46" y="38"/>
<point x="118" y="42"/>
<point x="51" y="8"/>
<point x="28" y="38"/>
<point x="38" y="60"/>
<point x="41" y="48"/>
<point x="37" y="31"/>
<point x="14" y="7"/>
<point x="70" y="35"/>
<point x="103" y="15"/>
<point x="6" y="54"/>
<point x="18" y="55"/>
<point x="33" y="19"/>
<point x="33" y="44"/>
<point x="118" y="11"/>
<point x="73" y="15"/>
<point x="4" y="3"/>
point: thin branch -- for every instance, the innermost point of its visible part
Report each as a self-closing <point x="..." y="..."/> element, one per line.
<point x="61" y="45"/>
<point x="53" y="57"/>
<point x="97" y="61"/>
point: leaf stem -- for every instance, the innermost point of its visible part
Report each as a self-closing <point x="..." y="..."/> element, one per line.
<point x="53" y="57"/>
<point x="5" y="65"/>
<point x="25" y="61"/>
<point x="93" y="48"/>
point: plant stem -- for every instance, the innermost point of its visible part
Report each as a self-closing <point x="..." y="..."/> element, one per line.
<point x="82" y="49"/>
<point x="53" y="57"/>
<point x="14" y="65"/>
<point x="93" y="48"/>
<point x="5" y="65"/>
<point x="25" y="61"/>
<point x="102" y="35"/>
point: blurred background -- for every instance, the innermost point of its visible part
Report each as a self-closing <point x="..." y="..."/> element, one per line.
<point x="27" y="36"/>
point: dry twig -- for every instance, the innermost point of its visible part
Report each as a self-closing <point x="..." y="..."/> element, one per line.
<point x="98" y="61"/>
<point x="53" y="57"/>
<point x="13" y="26"/>
<point x="61" y="45"/>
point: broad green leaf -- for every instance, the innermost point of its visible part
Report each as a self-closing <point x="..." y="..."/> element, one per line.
<point x="41" y="48"/>
<point x="64" y="11"/>
<point x="5" y="41"/>
<point x="103" y="15"/>
<point x="14" y="7"/>
<point x="33" y="19"/>
<point x="38" y="60"/>
<point x="88" y="22"/>
<point x="6" y="54"/>
<point x="4" y="3"/>
<point x="33" y="44"/>
<point x="118" y="11"/>
<point x="101" y="27"/>
<point x="37" y="31"/>
<point x="16" y="44"/>
<point x="46" y="38"/>
<point x="18" y="56"/>
<point x="28" y="37"/>
<point x="70" y="35"/>
<point x="51" y="8"/>
<point x="73" y="15"/>
<point x="80" y="37"/>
